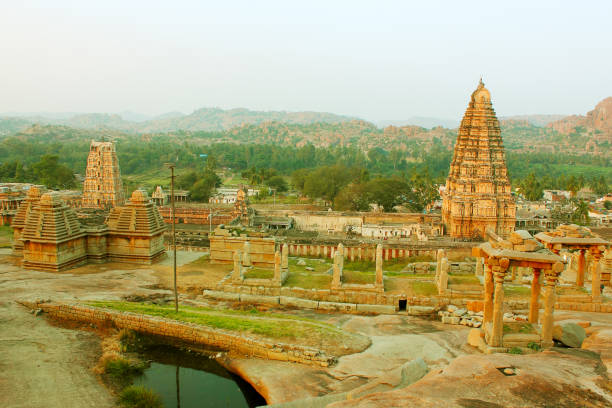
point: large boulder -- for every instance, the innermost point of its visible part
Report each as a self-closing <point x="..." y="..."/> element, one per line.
<point x="569" y="334"/>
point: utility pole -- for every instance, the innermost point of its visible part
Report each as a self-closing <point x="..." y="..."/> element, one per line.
<point x="171" y="166"/>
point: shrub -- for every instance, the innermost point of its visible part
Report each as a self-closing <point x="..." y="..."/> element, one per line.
<point x="123" y="370"/>
<point x="534" y="346"/>
<point x="515" y="350"/>
<point x="136" y="396"/>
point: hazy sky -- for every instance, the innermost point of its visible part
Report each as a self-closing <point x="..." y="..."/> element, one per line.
<point x="374" y="59"/>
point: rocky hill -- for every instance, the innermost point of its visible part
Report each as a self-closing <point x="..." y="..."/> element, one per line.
<point x="598" y="121"/>
<point x="208" y="119"/>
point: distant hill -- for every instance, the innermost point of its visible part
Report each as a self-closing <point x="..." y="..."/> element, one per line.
<point x="421" y="121"/>
<point x="535" y="120"/>
<point x="207" y="119"/>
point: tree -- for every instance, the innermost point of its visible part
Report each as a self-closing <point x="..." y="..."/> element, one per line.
<point x="532" y="188"/>
<point x="353" y="197"/>
<point x="278" y="183"/>
<point x="607" y="205"/>
<point x="52" y="174"/>
<point x="581" y="213"/>
<point x="599" y="185"/>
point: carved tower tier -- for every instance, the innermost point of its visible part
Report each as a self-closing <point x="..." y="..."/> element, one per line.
<point x="477" y="194"/>
<point x="103" y="187"/>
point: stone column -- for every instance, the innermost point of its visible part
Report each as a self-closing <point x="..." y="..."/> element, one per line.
<point x="325" y="251"/>
<point x="237" y="273"/>
<point x="318" y="251"/>
<point x="442" y="281"/>
<point x="359" y="256"/>
<point x="534" y="304"/>
<point x="352" y="249"/>
<point x="246" y="257"/>
<point x="277" y="267"/>
<point x="478" y="271"/>
<point x="488" y="291"/>
<point x="595" y="276"/>
<point x="285" y="257"/>
<point x="342" y="253"/>
<point x="497" y="332"/>
<point x="549" y="305"/>
<point x="439" y="256"/>
<point x="379" y="265"/>
<point x="337" y="270"/>
<point x="580" y="269"/>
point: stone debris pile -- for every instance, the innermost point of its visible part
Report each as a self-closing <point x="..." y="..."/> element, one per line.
<point x="465" y="317"/>
<point x="571" y="231"/>
<point x="518" y="241"/>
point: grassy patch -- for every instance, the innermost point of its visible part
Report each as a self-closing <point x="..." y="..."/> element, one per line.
<point x="6" y="236"/>
<point x="515" y="350"/>
<point x="259" y="273"/>
<point x="411" y="287"/>
<point x="315" y="263"/>
<point x="136" y="396"/>
<point x="358" y="277"/>
<point x="392" y="265"/>
<point x="249" y="321"/>
<point x="307" y="280"/>
<point x="121" y="371"/>
<point x="404" y="275"/>
<point x="463" y="280"/>
<point x="516" y="291"/>
<point x="571" y="291"/>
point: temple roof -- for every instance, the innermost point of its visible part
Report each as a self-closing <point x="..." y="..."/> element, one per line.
<point x="51" y="220"/>
<point x="139" y="215"/>
<point x="33" y="196"/>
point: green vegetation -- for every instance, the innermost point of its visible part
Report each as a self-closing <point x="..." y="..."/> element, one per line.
<point x="516" y="291"/>
<point x="259" y="273"/>
<point x="515" y="350"/>
<point x="534" y="346"/>
<point x="123" y="370"/>
<point x="518" y="327"/>
<point x="264" y="324"/>
<point x="314" y="263"/>
<point x="358" y="277"/>
<point x="136" y="396"/>
<point x="463" y="280"/>
<point x="392" y="265"/>
<point x="203" y="260"/>
<point x="308" y="280"/>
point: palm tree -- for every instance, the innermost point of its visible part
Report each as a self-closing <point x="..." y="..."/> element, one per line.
<point x="581" y="213"/>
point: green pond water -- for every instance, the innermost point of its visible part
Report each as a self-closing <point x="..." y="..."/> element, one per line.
<point x="185" y="380"/>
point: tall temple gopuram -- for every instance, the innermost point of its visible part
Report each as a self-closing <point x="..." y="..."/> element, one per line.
<point x="103" y="187"/>
<point x="477" y="194"/>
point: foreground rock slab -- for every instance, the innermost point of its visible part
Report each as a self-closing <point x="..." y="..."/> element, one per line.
<point x="556" y="378"/>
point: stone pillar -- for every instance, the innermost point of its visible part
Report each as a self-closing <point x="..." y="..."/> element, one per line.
<point x="387" y="254"/>
<point x="277" y="268"/>
<point x="379" y="265"/>
<point x="325" y="251"/>
<point x="246" y="257"/>
<point x="352" y="249"/>
<point x="478" y="271"/>
<point x="488" y="292"/>
<point x="342" y="253"/>
<point x="580" y="269"/>
<point x="606" y="267"/>
<point x="442" y="281"/>
<point x="534" y="303"/>
<point x="285" y="257"/>
<point x="596" y="277"/>
<point x="497" y="331"/>
<point x="439" y="256"/>
<point x="359" y="255"/>
<point x="549" y="305"/>
<point x="318" y="251"/>
<point x="337" y="270"/>
<point x="237" y="273"/>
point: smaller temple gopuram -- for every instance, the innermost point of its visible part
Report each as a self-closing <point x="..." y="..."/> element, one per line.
<point x="477" y="194"/>
<point x="102" y="187"/>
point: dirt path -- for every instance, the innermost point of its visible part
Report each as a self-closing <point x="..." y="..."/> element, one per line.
<point x="46" y="366"/>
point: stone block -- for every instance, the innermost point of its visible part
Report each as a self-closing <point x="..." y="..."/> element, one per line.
<point x="259" y="299"/>
<point x="570" y="334"/>
<point x="412" y="372"/>
<point x="459" y="312"/>
<point x="476" y="338"/>
<point x="380" y="309"/>
<point x="336" y="306"/>
<point x="475" y="306"/>
<point x="451" y="319"/>
<point x="299" y="303"/>
<point x="421" y="310"/>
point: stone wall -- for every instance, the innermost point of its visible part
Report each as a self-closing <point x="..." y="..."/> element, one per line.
<point x="222" y="249"/>
<point x="188" y="332"/>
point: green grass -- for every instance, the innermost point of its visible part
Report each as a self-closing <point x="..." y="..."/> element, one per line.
<point x="411" y="287"/>
<point x="516" y="291"/>
<point x="409" y="275"/>
<point x="463" y="280"/>
<point x="136" y="396"/>
<point x="259" y="273"/>
<point x="358" y="277"/>
<point x="270" y="325"/>
<point x="315" y="263"/>
<point x="515" y="350"/>
<point x="392" y="265"/>
<point x="307" y="280"/>
<point x="424" y="288"/>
